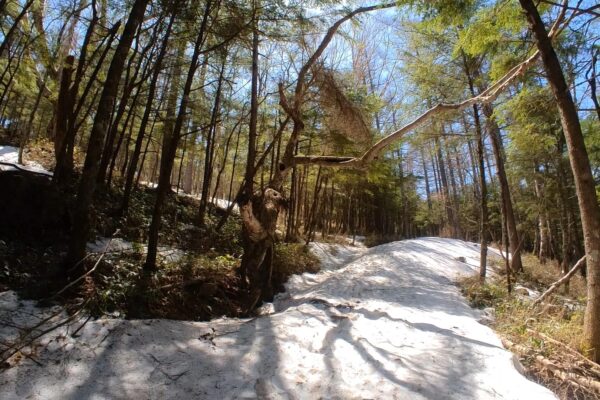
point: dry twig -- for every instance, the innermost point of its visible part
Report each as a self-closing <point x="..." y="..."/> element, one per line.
<point x="559" y="282"/>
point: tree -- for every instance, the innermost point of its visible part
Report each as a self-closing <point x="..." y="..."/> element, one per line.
<point x="171" y="141"/>
<point x="582" y="172"/>
<point x="87" y="185"/>
<point x="260" y="211"/>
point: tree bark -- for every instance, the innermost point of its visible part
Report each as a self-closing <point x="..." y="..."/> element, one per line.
<point x="426" y="178"/>
<point x="591" y="77"/>
<point x="471" y="72"/>
<point x="133" y="164"/>
<point x="64" y="166"/>
<point x="87" y="186"/>
<point x="508" y="214"/>
<point x="544" y="248"/>
<point x="109" y="154"/>
<point x="210" y="146"/>
<point x="252" y="127"/>
<point x="582" y="173"/>
<point x="170" y="144"/>
<point x="448" y="206"/>
<point x="483" y="209"/>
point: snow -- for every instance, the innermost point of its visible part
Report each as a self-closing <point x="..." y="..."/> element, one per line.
<point x="225" y="204"/>
<point x="379" y="323"/>
<point x="118" y="245"/>
<point x="222" y="204"/>
<point x="333" y="256"/>
<point x="10" y="154"/>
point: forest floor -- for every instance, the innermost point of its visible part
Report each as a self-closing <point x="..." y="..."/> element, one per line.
<point x="196" y="278"/>
<point x="384" y="322"/>
<point x="547" y="336"/>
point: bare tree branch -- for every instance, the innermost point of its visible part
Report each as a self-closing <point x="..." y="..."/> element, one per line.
<point x="294" y="109"/>
<point x="560" y="282"/>
<point x="487" y="96"/>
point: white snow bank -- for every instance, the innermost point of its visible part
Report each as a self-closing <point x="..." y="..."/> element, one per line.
<point x="390" y="324"/>
<point x="225" y="204"/>
<point x="118" y="245"/>
<point x="10" y="154"/>
<point x="222" y="204"/>
<point x="333" y="256"/>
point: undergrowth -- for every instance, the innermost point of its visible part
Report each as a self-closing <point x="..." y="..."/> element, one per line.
<point x="200" y="283"/>
<point x="196" y="287"/>
<point x="525" y="329"/>
<point x="290" y="259"/>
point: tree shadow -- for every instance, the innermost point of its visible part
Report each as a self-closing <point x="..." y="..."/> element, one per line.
<point x="391" y="325"/>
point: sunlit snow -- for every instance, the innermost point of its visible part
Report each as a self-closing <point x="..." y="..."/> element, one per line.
<point x="380" y="323"/>
<point x="10" y="155"/>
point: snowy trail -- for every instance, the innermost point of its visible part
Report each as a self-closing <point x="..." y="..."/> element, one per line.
<point x="389" y="324"/>
<point x="10" y="155"/>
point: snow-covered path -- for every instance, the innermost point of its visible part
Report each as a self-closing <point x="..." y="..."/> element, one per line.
<point x="390" y="324"/>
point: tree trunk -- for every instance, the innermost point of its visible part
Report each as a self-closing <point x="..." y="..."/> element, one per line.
<point x="64" y="166"/>
<point x="252" y="127"/>
<point x="471" y="73"/>
<point x="582" y="173"/>
<point x="508" y="214"/>
<point x="259" y="213"/>
<point x="14" y="26"/>
<point x="170" y="144"/>
<point x="210" y="145"/>
<point x="109" y="153"/>
<point x="544" y="247"/>
<point x="426" y="178"/>
<point x="215" y="194"/>
<point x="133" y="164"/>
<point x="592" y="81"/>
<point x="256" y="246"/>
<point x="87" y="186"/>
<point x="445" y="189"/>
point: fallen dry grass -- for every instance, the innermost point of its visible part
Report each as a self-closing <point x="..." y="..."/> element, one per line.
<point x="547" y="338"/>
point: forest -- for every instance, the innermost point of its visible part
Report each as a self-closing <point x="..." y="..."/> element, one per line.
<point x="177" y="159"/>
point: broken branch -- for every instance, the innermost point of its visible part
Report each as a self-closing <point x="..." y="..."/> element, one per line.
<point x="560" y="282"/>
<point x="485" y="97"/>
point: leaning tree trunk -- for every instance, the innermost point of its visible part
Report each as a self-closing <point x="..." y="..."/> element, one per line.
<point x="582" y="173"/>
<point x="139" y="141"/>
<point x="171" y="141"/>
<point x="87" y="185"/>
<point x="259" y="212"/>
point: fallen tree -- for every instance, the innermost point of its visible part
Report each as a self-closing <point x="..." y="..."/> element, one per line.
<point x="560" y="282"/>
<point x="260" y="210"/>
